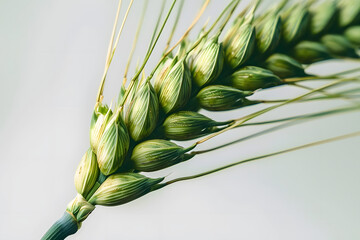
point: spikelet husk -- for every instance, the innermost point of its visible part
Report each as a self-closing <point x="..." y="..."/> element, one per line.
<point x="208" y="63"/>
<point x="338" y="45"/>
<point x="295" y="23"/>
<point x="141" y="119"/>
<point x="308" y="52"/>
<point x="222" y="98"/>
<point x="239" y="42"/>
<point x="80" y="208"/>
<point x="86" y="173"/>
<point x="349" y="12"/>
<point x="121" y="188"/>
<point x="184" y="47"/>
<point x="132" y="94"/>
<point x="353" y="35"/>
<point x="175" y="91"/>
<point x="284" y="66"/>
<point x="187" y="125"/>
<point x="99" y="120"/>
<point x="268" y="34"/>
<point x="121" y="95"/>
<point x="233" y="31"/>
<point x="157" y="154"/>
<point x="191" y="56"/>
<point x="242" y="45"/>
<point x="323" y="17"/>
<point x="251" y="78"/>
<point x="162" y="71"/>
<point x="113" y="146"/>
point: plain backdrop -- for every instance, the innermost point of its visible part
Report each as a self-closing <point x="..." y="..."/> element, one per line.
<point x="52" y="55"/>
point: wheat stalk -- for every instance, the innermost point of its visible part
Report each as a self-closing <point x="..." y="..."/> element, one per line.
<point x="214" y="72"/>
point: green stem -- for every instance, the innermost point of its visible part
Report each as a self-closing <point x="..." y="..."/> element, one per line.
<point x="156" y="26"/>
<point x="304" y="116"/>
<point x="307" y="78"/>
<point x="352" y="90"/>
<point x="62" y="228"/>
<point x="355" y="134"/>
<point x="100" y="90"/>
<point x="147" y="56"/>
<point x="236" y="3"/>
<point x="346" y="71"/>
<point x="290" y="121"/>
<point x="249" y="10"/>
<point x="200" y="39"/>
<point x="111" y="56"/>
<point x="309" y="88"/>
<point x="228" y="18"/>
<point x="349" y="98"/>
<point x="135" y="41"/>
<point x="174" y="26"/>
<point x="186" y="32"/>
<point x="327" y="95"/>
<point x="327" y="77"/>
<point x="339" y="95"/>
<point x="242" y="120"/>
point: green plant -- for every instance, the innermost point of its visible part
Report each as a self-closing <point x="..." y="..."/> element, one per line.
<point x="135" y="136"/>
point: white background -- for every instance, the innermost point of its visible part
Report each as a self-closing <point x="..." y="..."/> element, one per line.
<point x="52" y="55"/>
